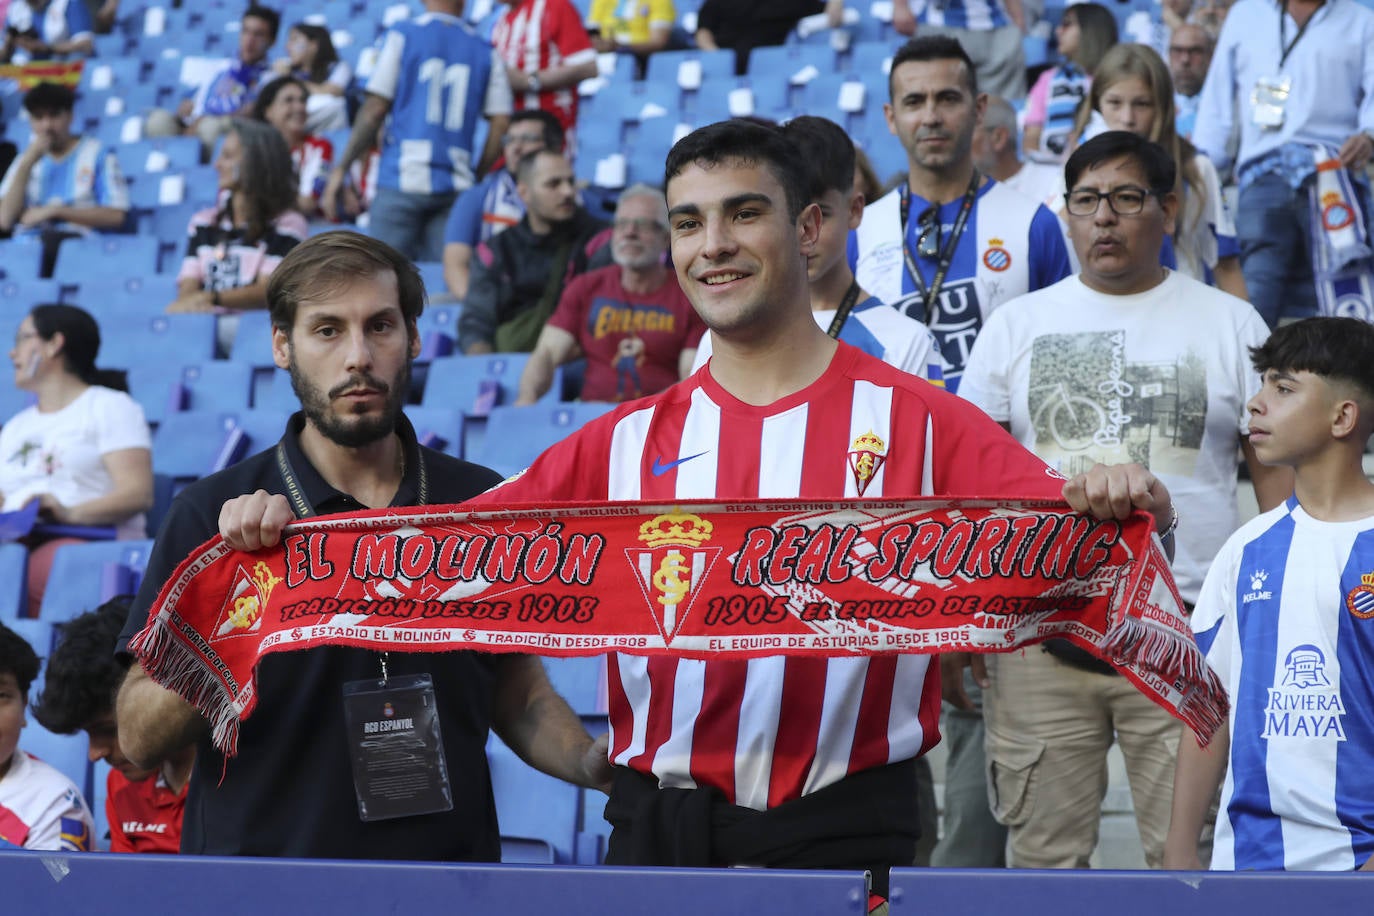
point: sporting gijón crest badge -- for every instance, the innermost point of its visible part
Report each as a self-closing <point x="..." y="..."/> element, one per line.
<point x="242" y="610"/>
<point x="671" y="564"/>
<point x="866" y="456"/>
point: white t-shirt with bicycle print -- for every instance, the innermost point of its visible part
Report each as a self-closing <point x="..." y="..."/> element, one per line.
<point x="1159" y="377"/>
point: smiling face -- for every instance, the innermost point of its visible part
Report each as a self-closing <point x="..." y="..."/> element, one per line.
<point x="287" y="113"/>
<point x="349" y="355"/>
<point x="933" y="113"/>
<point x="1120" y="254"/>
<point x="740" y="259"/>
<point x="1128" y="104"/>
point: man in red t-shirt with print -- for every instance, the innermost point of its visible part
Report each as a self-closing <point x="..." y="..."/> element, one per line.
<point x="631" y="320"/>
<point x="143" y="807"/>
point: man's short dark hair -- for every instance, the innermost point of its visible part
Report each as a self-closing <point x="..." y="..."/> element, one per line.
<point x="266" y="14"/>
<point x="925" y="48"/>
<point x="738" y="140"/>
<point x="1338" y="349"/>
<point x="826" y="148"/>
<point x="1159" y="167"/>
<point x="326" y="263"/>
<point x="83" y="674"/>
<point x="526" y="166"/>
<point x="49" y="98"/>
<point x="18" y="658"/>
<point x="554" y="137"/>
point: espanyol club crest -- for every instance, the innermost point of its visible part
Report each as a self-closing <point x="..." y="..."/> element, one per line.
<point x="1360" y="599"/>
<point x="866" y="456"/>
<point x="672" y="564"/>
<point x="1336" y="213"/>
<point x="996" y="257"/>
<point x="242" y="610"/>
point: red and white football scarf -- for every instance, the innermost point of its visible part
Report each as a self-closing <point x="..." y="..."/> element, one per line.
<point x="705" y="580"/>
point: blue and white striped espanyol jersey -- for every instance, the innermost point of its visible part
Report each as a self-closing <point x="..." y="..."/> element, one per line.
<point x="439" y="77"/>
<point x="88" y="176"/>
<point x="974" y="15"/>
<point x="1286" y="619"/>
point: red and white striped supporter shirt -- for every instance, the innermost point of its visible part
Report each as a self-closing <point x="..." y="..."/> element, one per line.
<point x="533" y="35"/>
<point x="765" y="731"/>
<point x="312" y="160"/>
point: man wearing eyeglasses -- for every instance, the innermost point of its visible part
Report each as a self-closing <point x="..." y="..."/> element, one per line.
<point x="494" y="204"/>
<point x="1126" y="359"/>
<point x="631" y="320"/>
<point x="950" y="245"/>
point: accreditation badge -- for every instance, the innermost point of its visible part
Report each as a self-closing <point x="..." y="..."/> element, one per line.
<point x="397" y="751"/>
<point x="1268" y="101"/>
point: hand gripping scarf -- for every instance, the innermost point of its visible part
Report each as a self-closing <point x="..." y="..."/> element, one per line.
<point x="707" y="580"/>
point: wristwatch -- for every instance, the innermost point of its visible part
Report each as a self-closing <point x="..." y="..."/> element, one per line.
<point x="534" y="82"/>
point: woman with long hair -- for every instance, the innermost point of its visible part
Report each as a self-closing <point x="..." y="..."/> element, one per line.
<point x="1086" y="31"/>
<point x="282" y="103"/>
<point x="312" y="59"/>
<point x="1132" y="91"/>
<point x="83" y="451"/>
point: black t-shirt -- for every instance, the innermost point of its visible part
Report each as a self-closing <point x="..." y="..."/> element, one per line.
<point x="289" y="791"/>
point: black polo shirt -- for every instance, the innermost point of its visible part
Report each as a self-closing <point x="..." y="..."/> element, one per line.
<point x="289" y="791"/>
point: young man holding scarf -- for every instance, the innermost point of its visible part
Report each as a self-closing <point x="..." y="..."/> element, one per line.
<point x="344" y="311"/>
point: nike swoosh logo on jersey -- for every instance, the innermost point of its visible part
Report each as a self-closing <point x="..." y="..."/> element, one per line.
<point x="660" y="468"/>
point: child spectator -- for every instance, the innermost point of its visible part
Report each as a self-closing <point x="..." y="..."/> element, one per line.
<point x="1085" y="32"/>
<point x="1286" y="619"/>
<point x="39" y="807"/>
<point x="143" y="807"/>
<point x="282" y="103"/>
<point x="83" y="451"/>
<point x="312" y="59"/>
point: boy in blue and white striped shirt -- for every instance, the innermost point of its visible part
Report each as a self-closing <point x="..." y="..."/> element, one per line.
<point x="1286" y="618"/>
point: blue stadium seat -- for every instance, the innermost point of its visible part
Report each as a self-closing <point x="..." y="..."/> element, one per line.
<point x="538" y="814"/>
<point x="445" y="423"/>
<point x="438" y="327"/>
<point x="218" y="385"/>
<point x="86" y="575"/>
<point x="193" y="443"/>
<point x="664" y="66"/>
<point x="20" y="258"/>
<point x="19" y="294"/>
<point x="253" y="340"/>
<point x="108" y="73"/>
<point x="515" y="436"/>
<point x="97" y="256"/>
<point x="141" y="297"/>
<point x="158" y="155"/>
<point x="581" y="681"/>
<point x="455" y="381"/>
<point x="432" y="275"/>
<point x="128" y="341"/>
<point x="14" y="560"/>
<point x="263" y="427"/>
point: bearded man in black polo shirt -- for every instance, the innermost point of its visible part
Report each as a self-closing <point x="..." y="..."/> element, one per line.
<point x="344" y="310"/>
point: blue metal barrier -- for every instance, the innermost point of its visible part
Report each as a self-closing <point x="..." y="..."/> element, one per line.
<point x="110" y="883"/>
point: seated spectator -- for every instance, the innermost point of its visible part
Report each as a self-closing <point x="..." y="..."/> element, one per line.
<point x="233" y="247"/>
<point x="39" y="807"/>
<point x="518" y="276"/>
<point x="83" y="450"/>
<point x="47" y="30"/>
<point x="743" y="27"/>
<point x="1132" y="91"/>
<point x="630" y="320"/>
<point x="995" y="154"/>
<point x="282" y="104"/>
<point x="547" y="52"/>
<point x="1083" y="35"/>
<point x="638" y="28"/>
<point x="1190" y="54"/>
<point x="493" y="204"/>
<point x="311" y="58"/>
<point x="229" y="90"/>
<point x="63" y="184"/>
<point x="142" y="807"/>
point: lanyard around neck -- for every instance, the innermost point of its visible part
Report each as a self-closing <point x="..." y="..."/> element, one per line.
<point x="851" y="296"/>
<point x="929" y="295"/>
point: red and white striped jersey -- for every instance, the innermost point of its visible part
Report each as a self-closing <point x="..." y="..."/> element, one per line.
<point x="768" y="730"/>
<point x="312" y="160"/>
<point x="533" y="35"/>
